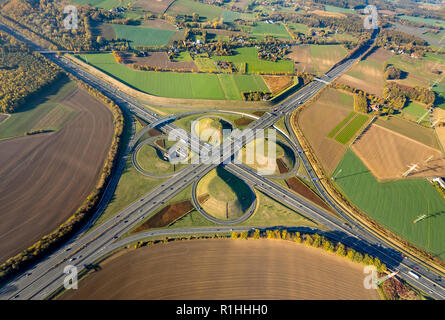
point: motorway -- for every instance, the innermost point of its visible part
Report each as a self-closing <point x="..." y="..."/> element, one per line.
<point x="85" y="248"/>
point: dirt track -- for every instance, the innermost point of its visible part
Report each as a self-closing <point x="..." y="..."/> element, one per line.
<point x="46" y="177"/>
<point x="226" y="269"/>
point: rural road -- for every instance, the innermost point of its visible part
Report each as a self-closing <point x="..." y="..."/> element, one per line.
<point x="47" y="275"/>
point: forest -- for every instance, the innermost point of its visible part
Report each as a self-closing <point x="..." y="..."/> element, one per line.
<point x="22" y="73"/>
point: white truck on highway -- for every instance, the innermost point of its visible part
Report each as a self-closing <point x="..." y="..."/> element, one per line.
<point x="414" y="275"/>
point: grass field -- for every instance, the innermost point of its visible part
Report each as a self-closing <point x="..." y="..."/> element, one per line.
<point x="415" y="109"/>
<point x="141" y="36"/>
<point x="189" y="7"/>
<point x="346" y="134"/>
<point x="419" y="71"/>
<point x="249" y="55"/>
<point x="298" y="27"/>
<point x="338" y="9"/>
<point x="105" y="4"/>
<point x="262" y="29"/>
<point x="433" y="22"/>
<point x="179" y="85"/>
<point x="43" y="113"/>
<point x="149" y="160"/>
<point x="396" y="204"/>
<point x="132" y="185"/>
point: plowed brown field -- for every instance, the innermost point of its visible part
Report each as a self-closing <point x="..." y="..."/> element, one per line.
<point x="46" y="177"/>
<point x="317" y="120"/>
<point x="226" y="269"/>
<point x="388" y="154"/>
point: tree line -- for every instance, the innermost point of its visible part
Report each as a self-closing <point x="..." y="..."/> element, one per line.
<point x="23" y="73"/>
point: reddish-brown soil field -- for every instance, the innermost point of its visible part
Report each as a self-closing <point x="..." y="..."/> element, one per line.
<point x="316" y="121"/>
<point x="160" y="60"/>
<point x="157" y="6"/>
<point x="282" y="167"/>
<point x="299" y="187"/>
<point x="243" y="121"/>
<point x="225" y="269"/>
<point x="259" y="113"/>
<point x="166" y="215"/>
<point x="3" y="117"/>
<point x="277" y="83"/>
<point x="388" y="154"/>
<point x="46" y="177"/>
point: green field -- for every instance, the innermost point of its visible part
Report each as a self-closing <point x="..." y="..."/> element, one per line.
<point x="249" y="55"/>
<point x="178" y="85"/>
<point x="433" y="22"/>
<point x="132" y="185"/>
<point x="338" y="9"/>
<point x="419" y="70"/>
<point x="189" y="7"/>
<point x="105" y="4"/>
<point x="150" y="161"/>
<point x="142" y="36"/>
<point x="262" y="29"/>
<point x="346" y="134"/>
<point x="396" y="204"/>
<point x="298" y="27"/>
<point x="340" y="125"/>
<point x="415" y="109"/>
<point x="439" y="89"/>
<point x="43" y="113"/>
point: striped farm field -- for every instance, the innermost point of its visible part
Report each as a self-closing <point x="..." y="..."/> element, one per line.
<point x="340" y="125"/>
<point x="178" y="85"/>
<point x="346" y="134"/>
<point x="396" y="204"/>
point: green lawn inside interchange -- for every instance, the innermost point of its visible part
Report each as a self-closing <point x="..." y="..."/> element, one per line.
<point x="142" y="36"/>
<point x="178" y="85"/>
<point x="249" y="55"/>
<point x="350" y="130"/>
<point x="396" y="204"/>
<point x="45" y="112"/>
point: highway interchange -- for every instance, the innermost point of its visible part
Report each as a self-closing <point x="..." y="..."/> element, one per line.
<point x="85" y="248"/>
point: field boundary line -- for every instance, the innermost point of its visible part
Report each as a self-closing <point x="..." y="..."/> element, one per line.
<point x="403" y="136"/>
